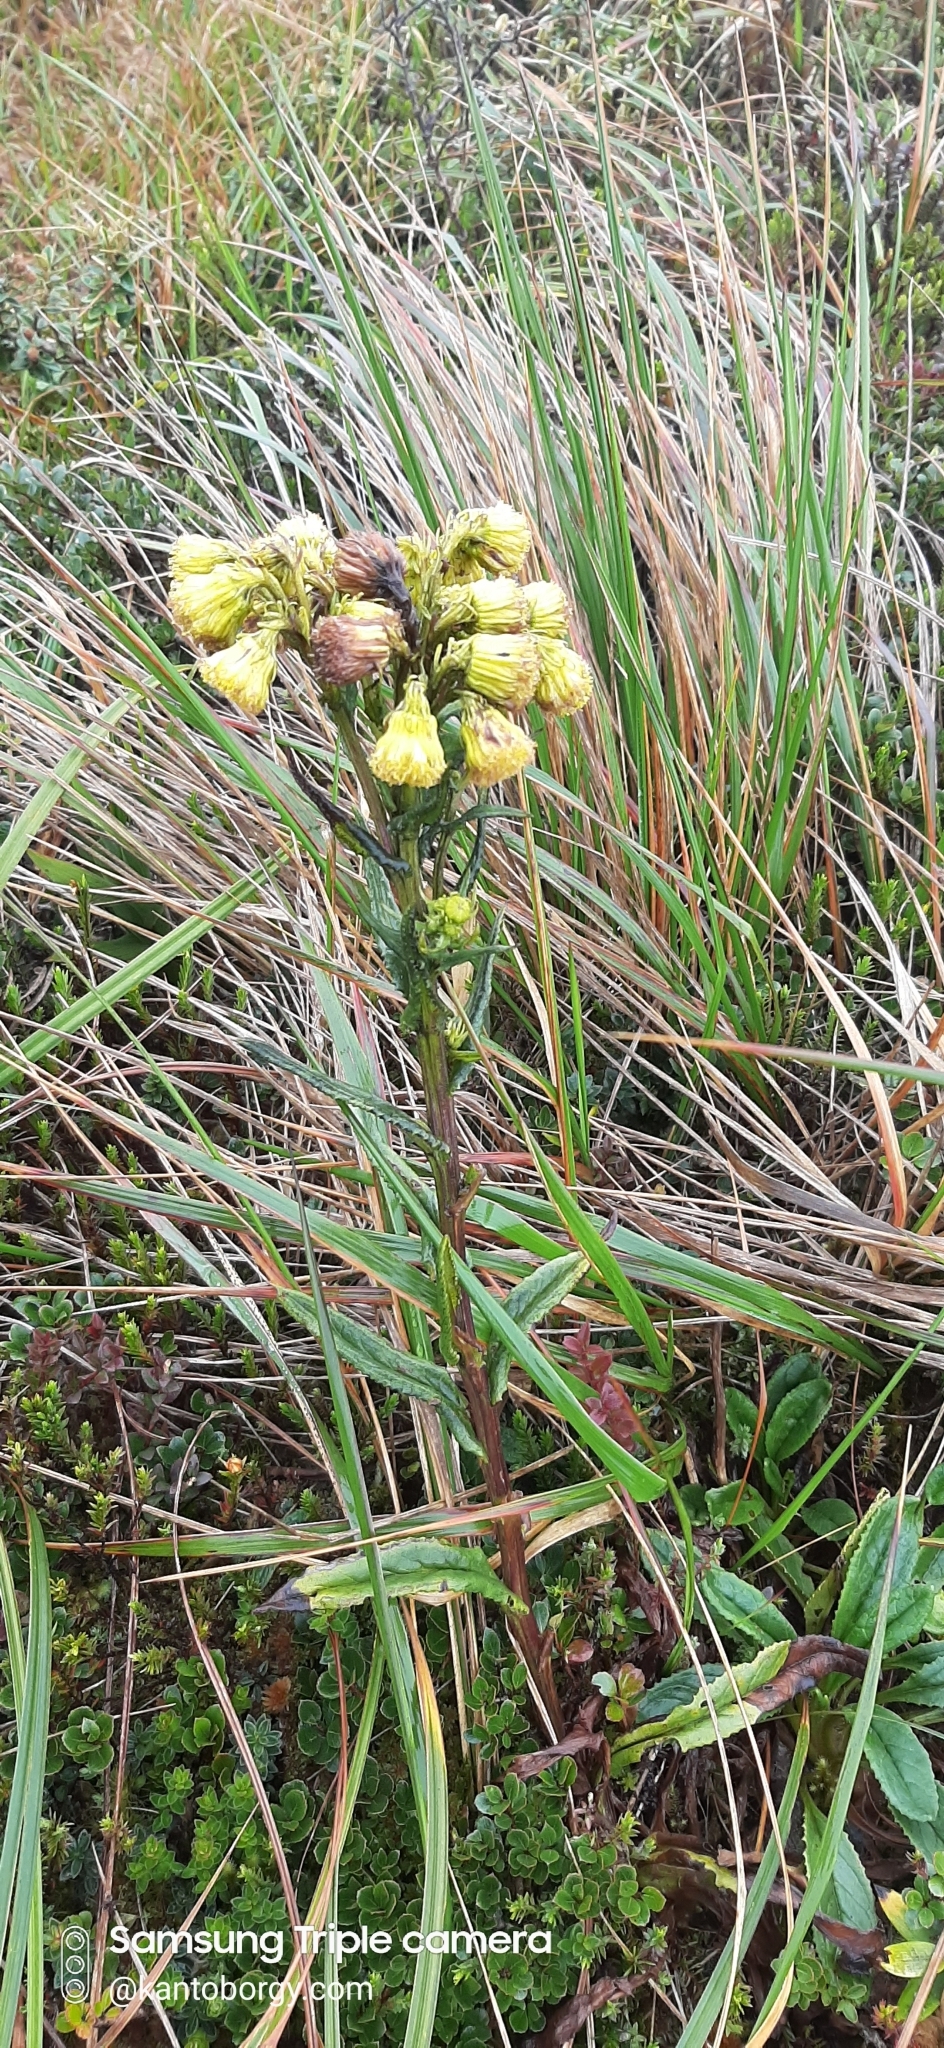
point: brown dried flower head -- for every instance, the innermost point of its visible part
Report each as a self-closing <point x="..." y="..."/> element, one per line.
<point x="347" y="647"/>
<point x="368" y="565"/>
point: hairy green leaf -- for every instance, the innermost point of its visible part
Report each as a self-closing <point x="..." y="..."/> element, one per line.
<point x="858" y="1602"/>
<point x="529" y="1303"/>
<point x="902" y="1765"/>
<point x="734" y="1604"/>
<point x="796" y="1418"/>
<point x="423" y="1569"/>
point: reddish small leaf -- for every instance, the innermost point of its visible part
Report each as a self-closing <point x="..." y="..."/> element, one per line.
<point x="591" y="1362"/>
<point x="614" y="1412"/>
<point x="579" y="1651"/>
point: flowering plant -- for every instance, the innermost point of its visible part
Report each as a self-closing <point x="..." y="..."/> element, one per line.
<point x="425" y="654"/>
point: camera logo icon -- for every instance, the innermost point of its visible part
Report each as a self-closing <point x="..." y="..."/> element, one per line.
<point x="76" y="1963"/>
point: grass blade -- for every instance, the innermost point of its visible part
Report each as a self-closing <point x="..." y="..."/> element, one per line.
<point x="825" y="1858"/>
<point x="422" y="2014"/>
<point x="695" y="2033"/>
<point x="19" y="1858"/>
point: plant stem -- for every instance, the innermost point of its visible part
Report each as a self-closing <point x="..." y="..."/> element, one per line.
<point x="447" y="1174"/>
<point x="447" y="1177"/>
<point x="358" y="760"/>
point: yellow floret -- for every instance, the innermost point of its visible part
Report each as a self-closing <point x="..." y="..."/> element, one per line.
<point x="546" y="609"/>
<point x="409" y="751"/>
<point x="195" y="554"/>
<point x="492" y="604"/>
<point x="494" y="747"/>
<point x="246" y="671"/>
<point x="214" y="604"/>
<point x="494" y="537"/>
<point x="503" y="667"/>
<point x="565" y="683"/>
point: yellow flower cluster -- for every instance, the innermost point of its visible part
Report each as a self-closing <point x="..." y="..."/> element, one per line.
<point x="500" y="641"/>
<point x="295" y="585"/>
<point x="449" y="612"/>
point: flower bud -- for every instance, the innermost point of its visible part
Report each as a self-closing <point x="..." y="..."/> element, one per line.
<point x="565" y="683"/>
<point x="409" y="751"/>
<point x="349" y="645"/>
<point x="302" y="546"/>
<point x="504" y="667"/>
<point x="366" y="608"/>
<point x="492" y="537"/>
<point x="545" y="609"/>
<point x="494" y="746"/>
<point x="447" y="923"/>
<point x="246" y="671"/>
<point x="304" y="530"/>
<point x="368" y="565"/>
<point x="422" y="566"/>
<point x="492" y="604"/>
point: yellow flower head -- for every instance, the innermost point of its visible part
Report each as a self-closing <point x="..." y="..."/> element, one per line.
<point x="546" y="609"/>
<point x="495" y="538"/>
<point x="503" y="667"/>
<point x="422" y="567"/>
<point x="367" y="609"/>
<point x="409" y="751"/>
<point x="246" y="671"/>
<point x="304" y="530"/>
<point x="494" y="747"/>
<point x="195" y="554"/>
<point x="565" y="683"/>
<point x="349" y="645"/>
<point x="213" y="604"/>
<point x="492" y="604"/>
<point x="301" y="546"/>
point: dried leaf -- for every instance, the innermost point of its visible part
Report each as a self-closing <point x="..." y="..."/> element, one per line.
<point x="859" y="1946"/>
<point x="771" y="1680"/>
<point x="275" y="1697"/>
<point x="567" y="2019"/>
<point x="579" y="1743"/>
<point x="807" y="1660"/>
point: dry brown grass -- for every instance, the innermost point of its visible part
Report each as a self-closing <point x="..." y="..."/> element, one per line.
<point x="114" y="108"/>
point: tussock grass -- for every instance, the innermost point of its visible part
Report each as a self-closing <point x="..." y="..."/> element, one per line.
<point x="696" y="454"/>
<point x="115" y="110"/>
<point x="679" y="892"/>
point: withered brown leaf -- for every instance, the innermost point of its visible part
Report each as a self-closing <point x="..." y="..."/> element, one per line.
<point x="566" y="2020"/>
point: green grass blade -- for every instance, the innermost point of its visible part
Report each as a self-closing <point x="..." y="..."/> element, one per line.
<point x="862" y="1422"/>
<point x="640" y="1481"/>
<point x="44" y="800"/>
<point x="695" y="2033"/>
<point x="424" y="1997"/>
<point x="34" y="1945"/>
<point x="273" y="2021"/>
<point x="824" y="1861"/>
<point x="594" y="1247"/>
<point x="19" y="1858"/>
<point x="389" y="1620"/>
<point x="86" y="1009"/>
